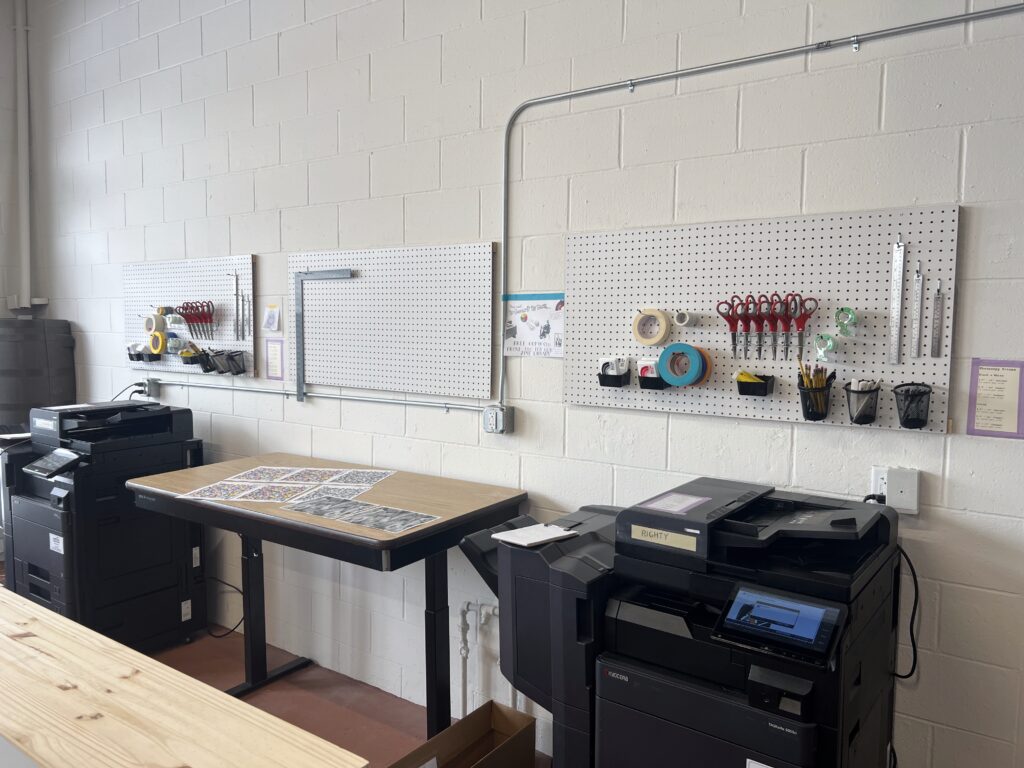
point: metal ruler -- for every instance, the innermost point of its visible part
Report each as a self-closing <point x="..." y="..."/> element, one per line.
<point x="916" y="310"/>
<point x="938" y="315"/>
<point x="896" y="302"/>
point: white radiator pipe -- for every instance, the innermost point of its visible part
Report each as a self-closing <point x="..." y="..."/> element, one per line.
<point x="24" y="296"/>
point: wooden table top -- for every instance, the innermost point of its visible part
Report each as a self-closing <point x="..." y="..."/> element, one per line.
<point x="73" y="697"/>
<point x="446" y="498"/>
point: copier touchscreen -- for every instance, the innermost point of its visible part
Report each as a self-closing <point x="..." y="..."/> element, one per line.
<point x="795" y="622"/>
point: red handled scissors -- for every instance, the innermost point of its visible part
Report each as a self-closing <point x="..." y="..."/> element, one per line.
<point x="800" y="310"/>
<point x="746" y="309"/>
<point x="779" y="319"/>
<point x="727" y="311"/>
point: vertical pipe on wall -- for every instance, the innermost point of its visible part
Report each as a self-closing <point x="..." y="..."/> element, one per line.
<point x="24" y="295"/>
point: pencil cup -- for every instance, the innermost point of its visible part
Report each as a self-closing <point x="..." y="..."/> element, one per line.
<point x="814" y="401"/>
<point x="912" y="402"/>
<point x="863" y="404"/>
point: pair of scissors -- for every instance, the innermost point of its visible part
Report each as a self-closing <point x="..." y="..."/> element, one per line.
<point x="800" y="311"/>
<point x="727" y="311"/>
<point x="769" y="321"/>
<point x="779" y="319"/>
<point x="746" y="309"/>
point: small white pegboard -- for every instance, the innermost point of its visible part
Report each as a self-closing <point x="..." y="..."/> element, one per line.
<point x="170" y="283"/>
<point x="413" y="319"/>
<point x="843" y="260"/>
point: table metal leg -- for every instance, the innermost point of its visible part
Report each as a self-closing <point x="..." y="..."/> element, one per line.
<point x="256" y="674"/>
<point x="435" y="627"/>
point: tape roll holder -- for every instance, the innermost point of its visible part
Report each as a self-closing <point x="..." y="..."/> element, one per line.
<point x="613" y="371"/>
<point x="647" y="368"/>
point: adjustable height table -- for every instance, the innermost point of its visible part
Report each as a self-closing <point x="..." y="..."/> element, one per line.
<point x="461" y="508"/>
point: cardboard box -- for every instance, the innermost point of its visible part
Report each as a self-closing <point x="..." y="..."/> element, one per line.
<point x="493" y="736"/>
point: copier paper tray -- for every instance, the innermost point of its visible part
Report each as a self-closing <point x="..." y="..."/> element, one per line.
<point x="647" y="716"/>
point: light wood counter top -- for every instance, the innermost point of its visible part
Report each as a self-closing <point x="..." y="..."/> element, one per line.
<point x="446" y="498"/>
<point x="73" y="698"/>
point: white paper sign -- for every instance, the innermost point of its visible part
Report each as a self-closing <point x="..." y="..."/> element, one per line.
<point x="998" y="399"/>
<point x="57" y="543"/>
<point x="534" y="325"/>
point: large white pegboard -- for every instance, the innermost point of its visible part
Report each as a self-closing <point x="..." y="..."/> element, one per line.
<point x="412" y="319"/>
<point x="170" y="283"/>
<point x="842" y="259"/>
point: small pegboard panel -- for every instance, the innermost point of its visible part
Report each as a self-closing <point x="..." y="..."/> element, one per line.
<point x="150" y="285"/>
<point x="842" y="259"/>
<point x="414" y="319"/>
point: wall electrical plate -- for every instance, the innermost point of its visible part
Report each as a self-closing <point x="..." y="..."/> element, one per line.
<point x="900" y="486"/>
<point x="499" y="419"/>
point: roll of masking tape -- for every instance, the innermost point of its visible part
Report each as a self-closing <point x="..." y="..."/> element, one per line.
<point x="658" y="337"/>
<point x="684" y="319"/>
<point x="155" y="323"/>
<point x="157" y="342"/>
<point x="672" y="369"/>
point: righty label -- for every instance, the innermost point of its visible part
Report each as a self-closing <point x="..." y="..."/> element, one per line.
<point x="665" y="538"/>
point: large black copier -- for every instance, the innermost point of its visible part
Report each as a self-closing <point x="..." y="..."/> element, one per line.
<point x="717" y="625"/>
<point x="75" y="542"/>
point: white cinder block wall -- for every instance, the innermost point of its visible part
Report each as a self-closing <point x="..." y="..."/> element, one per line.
<point x="171" y="129"/>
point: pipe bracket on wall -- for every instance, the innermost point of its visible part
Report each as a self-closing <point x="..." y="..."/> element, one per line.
<point x="300" y="343"/>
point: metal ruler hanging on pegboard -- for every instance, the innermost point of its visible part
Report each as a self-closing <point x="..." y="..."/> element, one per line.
<point x="896" y="302"/>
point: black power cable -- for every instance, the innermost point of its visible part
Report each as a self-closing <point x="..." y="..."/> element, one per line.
<point x="879" y="498"/>
<point x="133" y="384"/>
<point x="219" y="635"/>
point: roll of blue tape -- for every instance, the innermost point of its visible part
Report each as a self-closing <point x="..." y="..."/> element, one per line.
<point x="695" y="371"/>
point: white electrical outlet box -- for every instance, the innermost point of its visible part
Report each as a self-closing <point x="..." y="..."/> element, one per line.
<point x="900" y="486"/>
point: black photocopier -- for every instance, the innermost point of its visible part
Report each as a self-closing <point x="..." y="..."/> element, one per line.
<point x="717" y="625"/>
<point x="75" y="542"/>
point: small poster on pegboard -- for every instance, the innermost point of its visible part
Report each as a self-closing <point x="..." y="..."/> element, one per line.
<point x="534" y="324"/>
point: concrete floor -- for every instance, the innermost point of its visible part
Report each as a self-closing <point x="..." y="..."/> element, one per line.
<point x="365" y="720"/>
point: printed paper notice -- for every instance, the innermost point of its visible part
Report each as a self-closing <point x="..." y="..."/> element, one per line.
<point x="534" y="325"/>
<point x="996" y="398"/>
<point x="274" y="356"/>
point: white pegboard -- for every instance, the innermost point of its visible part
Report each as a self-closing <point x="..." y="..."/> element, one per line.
<point x="170" y="283"/>
<point x="840" y="259"/>
<point x="412" y="319"/>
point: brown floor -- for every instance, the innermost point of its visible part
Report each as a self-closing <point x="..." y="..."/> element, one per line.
<point x="365" y="720"/>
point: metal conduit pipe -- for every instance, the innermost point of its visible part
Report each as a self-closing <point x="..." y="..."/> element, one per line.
<point x="324" y="395"/>
<point x="853" y="40"/>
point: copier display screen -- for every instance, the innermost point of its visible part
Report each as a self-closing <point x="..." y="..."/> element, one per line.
<point x="805" y="625"/>
<point x="53" y="463"/>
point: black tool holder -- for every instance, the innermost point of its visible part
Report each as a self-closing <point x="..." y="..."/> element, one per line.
<point x="863" y="404"/>
<point x="614" y="380"/>
<point x="761" y="388"/>
<point x="653" y="382"/>
<point x="814" y="401"/>
<point x="912" y="403"/>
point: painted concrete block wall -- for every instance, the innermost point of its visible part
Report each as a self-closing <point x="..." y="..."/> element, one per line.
<point x="172" y="129"/>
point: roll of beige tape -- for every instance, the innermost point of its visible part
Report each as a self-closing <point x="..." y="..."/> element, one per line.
<point x="154" y="323"/>
<point x="664" y="326"/>
<point x="158" y="342"/>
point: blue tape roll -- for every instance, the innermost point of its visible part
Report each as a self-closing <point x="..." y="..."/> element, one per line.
<point x="695" y="371"/>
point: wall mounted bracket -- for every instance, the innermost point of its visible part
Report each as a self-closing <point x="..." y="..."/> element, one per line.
<point x="300" y="335"/>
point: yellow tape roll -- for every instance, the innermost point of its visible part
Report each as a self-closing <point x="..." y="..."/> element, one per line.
<point x="158" y="342"/>
<point x="664" y="326"/>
